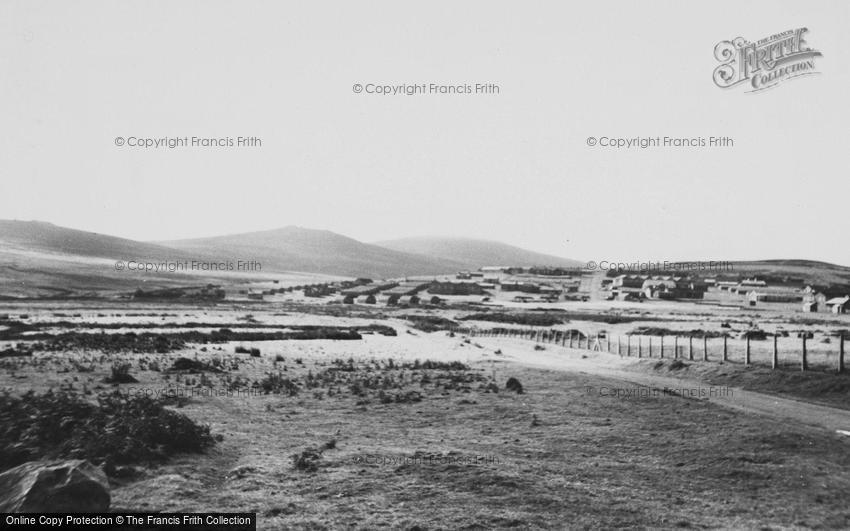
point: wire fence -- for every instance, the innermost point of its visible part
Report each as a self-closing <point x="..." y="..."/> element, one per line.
<point x="771" y="350"/>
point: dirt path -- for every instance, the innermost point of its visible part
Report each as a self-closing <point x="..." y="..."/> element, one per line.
<point x="612" y="366"/>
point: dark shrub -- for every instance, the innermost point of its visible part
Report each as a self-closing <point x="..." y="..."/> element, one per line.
<point x="307" y="460"/>
<point x="523" y="318"/>
<point x="120" y="374"/>
<point x="118" y="429"/>
<point x="275" y="383"/>
<point x="186" y="364"/>
<point x="514" y="385"/>
<point x="431" y="323"/>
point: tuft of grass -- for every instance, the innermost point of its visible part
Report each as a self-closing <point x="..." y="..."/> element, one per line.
<point x="275" y="383"/>
<point x="119" y="374"/>
<point x="307" y="460"/>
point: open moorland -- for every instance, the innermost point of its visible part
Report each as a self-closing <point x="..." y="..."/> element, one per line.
<point x="322" y="416"/>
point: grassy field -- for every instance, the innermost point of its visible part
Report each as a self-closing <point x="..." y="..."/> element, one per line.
<point x="335" y="435"/>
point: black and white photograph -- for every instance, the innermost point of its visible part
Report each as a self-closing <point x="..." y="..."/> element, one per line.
<point x="418" y="266"/>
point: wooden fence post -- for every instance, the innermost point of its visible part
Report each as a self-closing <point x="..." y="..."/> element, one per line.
<point x="662" y="346"/>
<point x="619" y="347"/>
<point x="691" y="348"/>
<point x="841" y="352"/>
<point x="775" y="362"/>
<point x="704" y="348"/>
<point x="804" y="362"/>
<point x="640" y="346"/>
<point x="747" y="354"/>
<point x="650" y="346"/>
<point x="725" y="349"/>
<point x="628" y="346"/>
<point x="675" y="347"/>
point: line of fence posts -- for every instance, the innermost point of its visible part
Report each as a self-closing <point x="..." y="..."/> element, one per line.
<point x="574" y="340"/>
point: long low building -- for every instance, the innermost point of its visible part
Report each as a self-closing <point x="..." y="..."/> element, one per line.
<point x="368" y="289"/>
<point x="407" y="288"/>
<point x="839" y="304"/>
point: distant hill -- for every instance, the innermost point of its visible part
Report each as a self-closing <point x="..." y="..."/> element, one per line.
<point x="472" y="253"/>
<point x="810" y="272"/>
<point x="40" y="259"/>
<point x="795" y="263"/>
<point x="34" y="249"/>
<point x="49" y="238"/>
<point x="318" y="251"/>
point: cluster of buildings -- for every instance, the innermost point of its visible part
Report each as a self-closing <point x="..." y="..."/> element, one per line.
<point x="815" y="301"/>
<point x="639" y="287"/>
<point x="795" y="296"/>
<point x="527" y="285"/>
<point x="530" y="285"/>
<point x="751" y="292"/>
<point x="481" y="283"/>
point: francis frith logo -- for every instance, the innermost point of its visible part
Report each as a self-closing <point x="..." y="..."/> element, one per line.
<point x="765" y="63"/>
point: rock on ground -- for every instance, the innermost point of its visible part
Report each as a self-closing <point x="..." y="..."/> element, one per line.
<point x="59" y="486"/>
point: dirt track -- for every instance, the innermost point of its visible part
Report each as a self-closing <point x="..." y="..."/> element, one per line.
<point x="612" y="366"/>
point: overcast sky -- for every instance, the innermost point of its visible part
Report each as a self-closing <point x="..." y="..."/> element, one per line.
<point x="513" y="167"/>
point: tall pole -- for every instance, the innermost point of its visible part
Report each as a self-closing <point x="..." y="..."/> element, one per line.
<point x="704" y="348"/>
<point x="775" y="363"/>
<point x="804" y="363"/>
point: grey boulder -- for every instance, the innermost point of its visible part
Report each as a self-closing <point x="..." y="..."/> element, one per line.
<point x="75" y="486"/>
